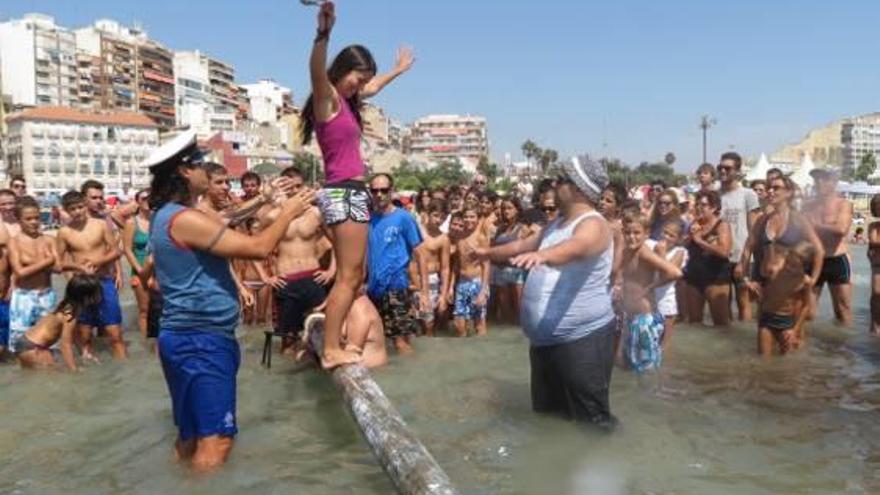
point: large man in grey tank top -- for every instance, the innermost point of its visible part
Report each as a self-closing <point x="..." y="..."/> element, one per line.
<point x="566" y="305"/>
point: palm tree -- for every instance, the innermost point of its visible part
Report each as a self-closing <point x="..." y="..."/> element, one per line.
<point x="530" y="150"/>
<point x="548" y="157"/>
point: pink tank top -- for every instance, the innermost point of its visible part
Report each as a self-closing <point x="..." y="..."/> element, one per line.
<point x="340" y="142"/>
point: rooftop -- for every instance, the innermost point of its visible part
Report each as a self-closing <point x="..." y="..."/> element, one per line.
<point x="65" y="114"/>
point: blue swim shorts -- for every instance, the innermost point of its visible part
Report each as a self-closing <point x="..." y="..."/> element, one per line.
<point x="200" y="370"/>
<point x="108" y="313"/>
<point x="4" y="323"/>
<point x="467" y="290"/>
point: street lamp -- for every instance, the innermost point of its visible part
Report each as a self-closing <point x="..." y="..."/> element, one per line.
<point x="706" y="123"/>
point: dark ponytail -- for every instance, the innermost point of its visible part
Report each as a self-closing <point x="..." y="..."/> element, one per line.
<point x="167" y="186"/>
<point x="354" y="57"/>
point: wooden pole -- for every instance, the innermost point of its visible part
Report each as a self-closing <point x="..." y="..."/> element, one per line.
<point x="407" y="462"/>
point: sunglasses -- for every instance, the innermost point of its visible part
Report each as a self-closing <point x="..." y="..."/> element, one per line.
<point x="726" y="168"/>
<point x="548" y="209"/>
<point x="480" y="182"/>
<point x="18" y="186"/>
<point x="380" y="190"/>
<point x="664" y="203"/>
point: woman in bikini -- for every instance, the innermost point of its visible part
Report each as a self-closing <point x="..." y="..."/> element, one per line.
<point x="782" y="227"/>
<point x="34" y="349"/>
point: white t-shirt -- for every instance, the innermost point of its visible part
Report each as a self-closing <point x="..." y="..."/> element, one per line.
<point x="735" y="208"/>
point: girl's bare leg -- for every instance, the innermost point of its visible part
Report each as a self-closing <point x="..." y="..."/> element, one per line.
<point x="719" y="304"/>
<point x="143" y="302"/>
<point x="349" y="246"/>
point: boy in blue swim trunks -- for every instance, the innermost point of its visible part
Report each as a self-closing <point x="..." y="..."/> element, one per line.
<point x="472" y="277"/>
<point x="87" y="245"/>
<point x="32" y="259"/>
<point x="5" y="279"/>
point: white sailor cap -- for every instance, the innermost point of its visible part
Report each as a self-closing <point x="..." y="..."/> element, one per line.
<point x="183" y="149"/>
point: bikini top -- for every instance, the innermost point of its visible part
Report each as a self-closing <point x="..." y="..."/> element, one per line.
<point x="792" y="235"/>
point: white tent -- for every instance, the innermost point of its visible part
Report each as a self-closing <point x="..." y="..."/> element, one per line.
<point x="759" y="170"/>
<point x="802" y="176"/>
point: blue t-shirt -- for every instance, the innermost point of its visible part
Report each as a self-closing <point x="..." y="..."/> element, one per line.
<point x="393" y="237"/>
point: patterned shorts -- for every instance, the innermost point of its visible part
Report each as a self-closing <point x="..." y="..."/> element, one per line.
<point x="25" y="310"/>
<point x="344" y="201"/>
<point x="642" y="342"/>
<point x="467" y="290"/>
<point x="428" y="314"/>
<point x="397" y="314"/>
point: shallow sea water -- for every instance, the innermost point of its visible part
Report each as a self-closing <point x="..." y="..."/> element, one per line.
<point x="717" y="420"/>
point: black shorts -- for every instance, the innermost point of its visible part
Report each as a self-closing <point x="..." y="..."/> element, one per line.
<point x="702" y="274"/>
<point x="573" y="380"/>
<point x="778" y="323"/>
<point x="835" y="271"/>
<point x="154" y="314"/>
<point x="398" y="314"/>
<point x="300" y="295"/>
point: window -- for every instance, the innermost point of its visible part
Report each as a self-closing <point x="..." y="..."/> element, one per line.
<point x="99" y="166"/>
<point x="111" y="167"/>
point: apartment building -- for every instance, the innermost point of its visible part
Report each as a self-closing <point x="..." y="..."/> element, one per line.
<point x="269" y="101"/>
<point x="449" y="137"/>
<point x="38" y="63"/>
<point x="56" y="148"/>
<point x="206" y="95"/>
<point x="136" y="73"/>
<point x="860" y="136"/>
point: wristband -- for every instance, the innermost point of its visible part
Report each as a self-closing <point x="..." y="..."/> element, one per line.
<point x="322" y="36"/>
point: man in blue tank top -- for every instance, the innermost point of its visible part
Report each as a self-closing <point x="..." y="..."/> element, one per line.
<point x="566" y="305"/>
<point x="200" y="311"/>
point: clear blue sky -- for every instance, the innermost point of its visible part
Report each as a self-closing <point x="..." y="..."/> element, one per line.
<point x="569" y="74"/>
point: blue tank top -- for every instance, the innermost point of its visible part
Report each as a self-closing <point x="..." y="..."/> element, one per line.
<point x="564" y="303"/>
<point x="197" y="288"/>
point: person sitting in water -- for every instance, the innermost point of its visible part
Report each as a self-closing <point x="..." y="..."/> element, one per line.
<point x="34" y="349"/>
<point x="362" y="333"/>
<point x="786" y="297"/>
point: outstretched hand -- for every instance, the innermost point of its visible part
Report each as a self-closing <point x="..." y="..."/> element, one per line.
<point x="300" y="202"/>
<point x="326" y="17"/>
<point x="528" y="261"/>
<point x="405" y="58"/>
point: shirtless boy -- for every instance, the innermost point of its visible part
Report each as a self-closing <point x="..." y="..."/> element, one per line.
<point x="435" y="250"/>
<point x="472" y="277"/>
<point x="32" y="258"/>
<point x="362" y="333"/>
<point x="5" y="284"/>
<point x="7" y="212"/>
<point x="87" y="245"/>
<point x="785" y="300"/>
<point x="831" y="217"/>
<point x="643" y="271"/>
<point x="299" y="284"/>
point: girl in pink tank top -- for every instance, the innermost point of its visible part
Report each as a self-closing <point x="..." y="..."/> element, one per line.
<point x="332" y="112"/>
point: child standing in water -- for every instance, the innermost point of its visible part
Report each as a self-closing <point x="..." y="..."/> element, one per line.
<point x="33" y="259"/>
<point x="643" y="271"/>
<point x="669" y="248"/>
<point x="874" y="258"/>
<point x="785" y="299"/>
<point x="34" y="347"/>
<point x="472" y="277"/>
<point x="332" y="112"/>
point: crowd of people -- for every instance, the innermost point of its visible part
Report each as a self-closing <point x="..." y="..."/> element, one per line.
<point x="594" y="272"/>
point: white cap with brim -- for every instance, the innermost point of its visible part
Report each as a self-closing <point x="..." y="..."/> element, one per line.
<point x="183" y="148"/>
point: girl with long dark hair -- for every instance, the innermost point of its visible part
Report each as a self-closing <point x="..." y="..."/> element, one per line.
<point x="332" y="111"/>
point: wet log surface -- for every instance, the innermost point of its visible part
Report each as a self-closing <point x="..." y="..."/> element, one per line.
<point x="408" y="463"/>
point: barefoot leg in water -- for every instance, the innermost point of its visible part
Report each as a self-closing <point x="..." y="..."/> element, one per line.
<point x="349" y="246"/>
